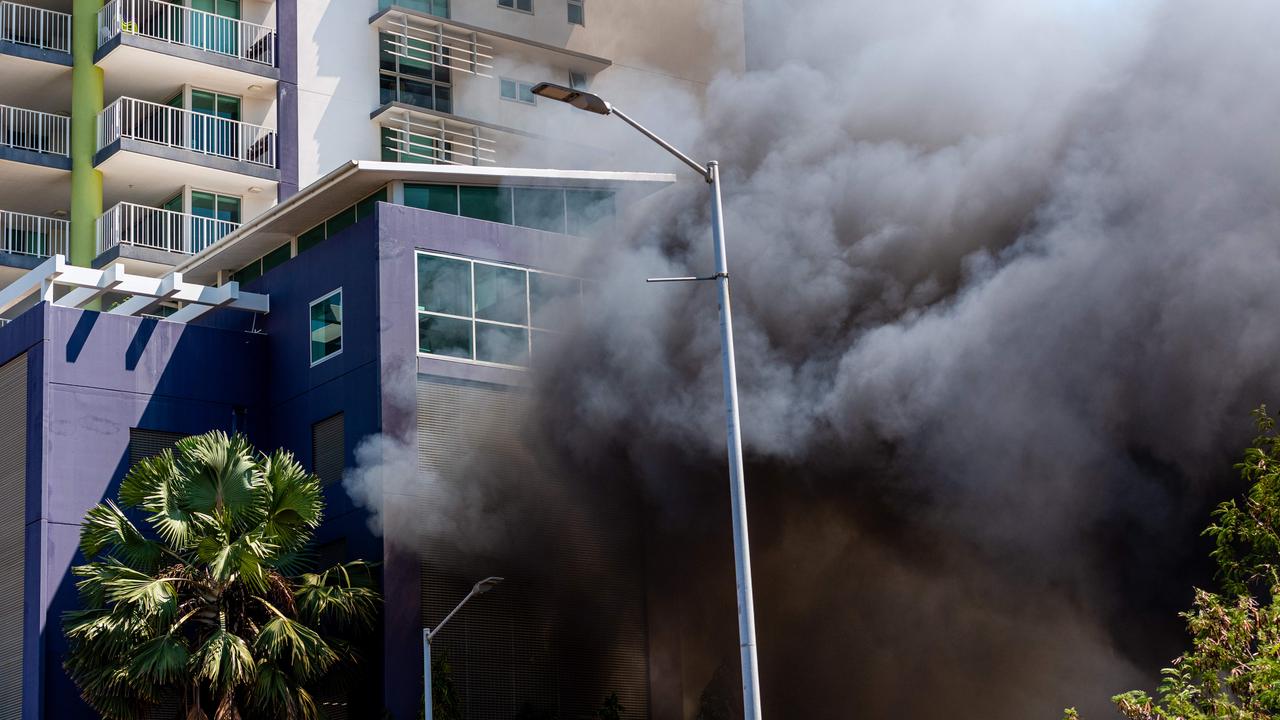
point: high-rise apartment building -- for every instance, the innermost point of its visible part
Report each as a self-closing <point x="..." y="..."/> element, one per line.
<point x="342" y="227"/>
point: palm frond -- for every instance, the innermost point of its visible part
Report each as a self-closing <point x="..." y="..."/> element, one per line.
<point x="105" y="528"/>
<point x="221" y="479"/>
<point x="291" y="644"/>
<point x="296" y="506"/>
<point x="223" y="661"/>
<point x="160" y="661"/>
<point x="341" y="596"/>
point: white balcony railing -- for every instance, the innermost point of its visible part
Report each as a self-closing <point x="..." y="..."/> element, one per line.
<point x="436" y="141"/>
<point x="129" y="224"/>
<point x="37" y="27"/>
<point x="32" y="235"/>
<point x="34" y="130"/>
<point x="184" y="26"/>
<point x="179" y="128"/>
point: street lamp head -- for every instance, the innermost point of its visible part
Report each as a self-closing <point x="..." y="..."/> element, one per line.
<point x="485" y="585"/>
<point x="577" y="98"/>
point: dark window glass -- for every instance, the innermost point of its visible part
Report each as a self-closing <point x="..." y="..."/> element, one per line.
<point x="444" y="336"/>
<point x="576" y="14"/>
<point x="485" y="203"/>
<point x="311" y="238"/>
<point x="500" y="294"/>
<point x="444" y="98"/>
<point x="390" y="150"/>
<point x="439" y="198"/>
<point x="365" y="207"/>
<point x="387" y="89"/>
<point x="326" y="327"/>
<point x="501" y="344"/>
<point x="540" y="209"/>
<point x="340" y="222"/>
<point x="328" y="441"/>
<point x="250" y="272"/>
<point x="418" y="93"/>
<point x="444" y="285"/>
<point x="553" y="299"/>
<point x="587" y="211"/>
<point x="276" y="257"/>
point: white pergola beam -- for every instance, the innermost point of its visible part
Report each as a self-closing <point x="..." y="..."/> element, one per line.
<point x="109" y="279"/>
<point x="29" y="284"/>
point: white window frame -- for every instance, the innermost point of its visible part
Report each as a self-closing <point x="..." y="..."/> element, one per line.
<point x="528" y="327"/>
<point x="517" y="83"/>
<point x="513" y="6"/>
<point x="582" y="12"/>
<point x="342" y="332"/>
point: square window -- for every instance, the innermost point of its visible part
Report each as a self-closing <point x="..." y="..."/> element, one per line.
<point x="450" y="337"/>
<point x="508" y="89"/>
<point x="577" y="13"/>
<point x="326" y="327"/>
<point x="500" y="294"/>
<point x="444" y="285"/>
<point x="540" y="209"/>
<point x="523" y="5"/>
<point x="577" y="80"/>
<point x="502" y="344"/>
<point x="485" y="203"/>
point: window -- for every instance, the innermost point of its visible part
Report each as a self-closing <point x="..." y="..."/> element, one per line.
<point x="577" y="13"/>
<point x="577" y="80"/>
<point x="414" y="72"/>
<point x="439" y="8"/>
<point x="328" y="440"/>
<point x="491" y="313"/>
<point x="573" y="211"/>
<point x="521" y="5"/>
<point x="517" y="91"/>
<point x="326" y="327"/>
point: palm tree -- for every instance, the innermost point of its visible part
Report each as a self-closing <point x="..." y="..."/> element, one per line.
<point x="211" y="611"/>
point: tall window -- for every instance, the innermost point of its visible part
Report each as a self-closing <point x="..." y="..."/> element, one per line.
<point x="521" y="5"/>
<point x="517" y="90"/>
<point x="490" y="313"/>
<point x="326" y="327"/>
<point x="414" y="72"/>
<point x="328" y="447"/>
<point x="577" y="13"/>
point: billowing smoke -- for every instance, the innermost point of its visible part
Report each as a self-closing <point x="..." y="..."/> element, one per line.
<point x="1005" y="280"/>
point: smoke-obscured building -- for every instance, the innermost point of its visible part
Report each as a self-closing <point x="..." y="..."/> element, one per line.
<point x="328" y="224"/>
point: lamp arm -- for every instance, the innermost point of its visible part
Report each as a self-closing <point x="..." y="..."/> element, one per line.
<point x="432" y="632"/>
<point x="705" y="173"/>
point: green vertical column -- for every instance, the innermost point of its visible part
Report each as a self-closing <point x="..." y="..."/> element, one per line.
<point x="86" y="103"/>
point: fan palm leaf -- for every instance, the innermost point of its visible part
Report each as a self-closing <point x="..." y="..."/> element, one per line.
<point x="198" y="608"/>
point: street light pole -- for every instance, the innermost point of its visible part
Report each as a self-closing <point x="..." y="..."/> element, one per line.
<point x="741" y="545"/>
<point x="428" y="634"/>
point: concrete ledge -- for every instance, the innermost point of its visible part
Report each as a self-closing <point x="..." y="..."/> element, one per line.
<point x="187" y="156"/>
<point x="187" y="53"/>
<point x="135" y="252"/>
<point x="34" y="53"/>
<point x="31" y="157"/>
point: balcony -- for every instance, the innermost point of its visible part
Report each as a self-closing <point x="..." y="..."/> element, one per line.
<point x="147" y="238"/>
<point x="413" y="135"/>
<point x="35" y="56"/>
<point x="26" y="240"/>
<point x="145" y="45"/>
<point x="151" y="147"/>
<point x="35" y="137"/>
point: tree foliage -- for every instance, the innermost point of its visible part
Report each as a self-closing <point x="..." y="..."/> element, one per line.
<point x="211" y="609"/>
<point x="1232" y="671"/>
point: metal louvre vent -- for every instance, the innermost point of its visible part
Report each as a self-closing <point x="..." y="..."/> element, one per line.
<point x="145" y="444"/>
<point x="521" y="645"/>
<point x="13" y="480"/>
<point x="328" y="443"/>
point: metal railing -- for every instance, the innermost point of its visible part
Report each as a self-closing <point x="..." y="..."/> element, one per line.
<point x="179" y="128"/>
<point x="37" y="27"/>
<point x="185" y="26"/>
<point x="129" y="224"/>
<point x="32" y="234"/>
<point x="436" y="142"/>
<point x="438" y="44"/>
<point x="34" y="130"/>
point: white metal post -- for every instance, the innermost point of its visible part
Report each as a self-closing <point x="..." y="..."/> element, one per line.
<point x="738" y="496"/>
<point x="426" y="673"/>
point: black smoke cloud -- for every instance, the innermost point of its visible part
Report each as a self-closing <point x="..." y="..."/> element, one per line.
<point x="1005" y="281"/>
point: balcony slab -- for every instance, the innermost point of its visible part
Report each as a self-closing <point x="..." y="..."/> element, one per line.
<point x="145" y="67"/>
